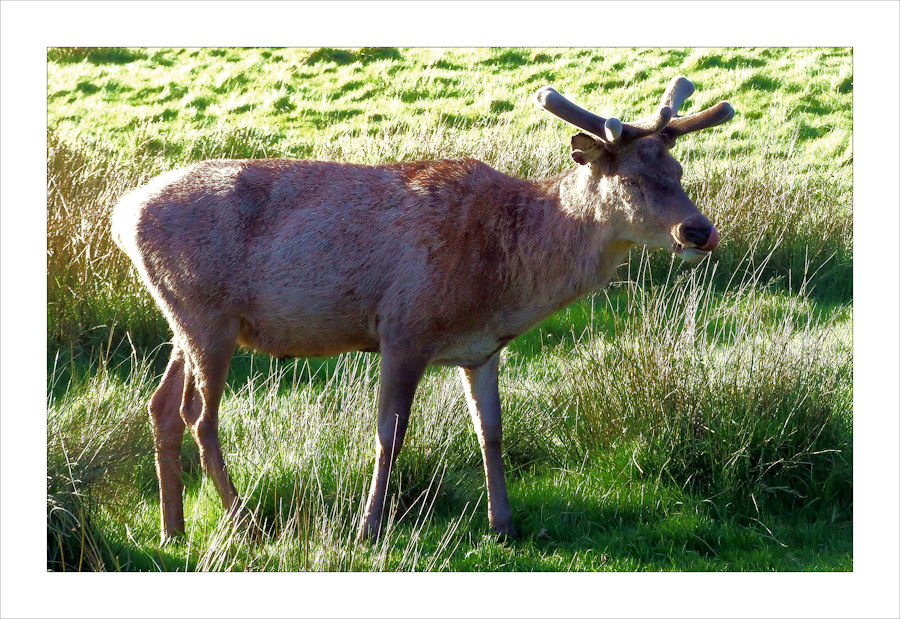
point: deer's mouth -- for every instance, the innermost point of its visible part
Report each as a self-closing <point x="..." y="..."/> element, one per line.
<point x="688" y="254"/>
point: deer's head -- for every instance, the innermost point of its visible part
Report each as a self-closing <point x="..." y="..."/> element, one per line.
<point x="628" y="168"/>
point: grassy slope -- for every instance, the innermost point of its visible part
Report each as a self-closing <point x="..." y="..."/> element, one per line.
<point x="302" y="100"/>
<point x="746" y="467"/>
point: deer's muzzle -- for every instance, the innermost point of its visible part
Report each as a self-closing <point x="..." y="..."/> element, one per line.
<point x="694" y="238"/>
<point x="697" y="232"/>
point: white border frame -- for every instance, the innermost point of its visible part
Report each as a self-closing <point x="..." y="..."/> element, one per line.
<point x="29" y="28"/>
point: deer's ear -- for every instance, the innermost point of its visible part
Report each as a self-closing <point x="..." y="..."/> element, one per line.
<point x="585" y="149"/>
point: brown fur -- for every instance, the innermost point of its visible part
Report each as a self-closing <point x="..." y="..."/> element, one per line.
<point x="427" y="262"/>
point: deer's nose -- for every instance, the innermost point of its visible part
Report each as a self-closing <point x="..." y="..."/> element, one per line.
<point x="700" y="234"/>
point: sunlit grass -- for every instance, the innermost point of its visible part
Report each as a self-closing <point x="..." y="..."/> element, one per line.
<point x="306" y="98"/>
<point x="696" y="413"/>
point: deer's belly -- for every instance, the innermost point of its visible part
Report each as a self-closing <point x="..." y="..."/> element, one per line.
<point x="305" y="339"/>
<point x="472" y="351"/>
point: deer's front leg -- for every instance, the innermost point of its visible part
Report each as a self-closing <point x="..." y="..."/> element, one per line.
<point x="483" y="397"/>
<point x="400" y="373"/>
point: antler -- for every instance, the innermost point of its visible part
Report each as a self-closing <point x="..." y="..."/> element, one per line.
<point x="558" y="105"/>
<point x="678" y="90"/>
<point x="651" y="126"/>
<point x="710" y="117"/>
<point x="615" y="134"/>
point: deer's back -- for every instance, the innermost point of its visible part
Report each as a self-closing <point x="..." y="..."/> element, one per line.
<point x="324" y="253"/>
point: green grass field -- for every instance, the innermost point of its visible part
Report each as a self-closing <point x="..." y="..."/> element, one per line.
<point x="685" y="418"/>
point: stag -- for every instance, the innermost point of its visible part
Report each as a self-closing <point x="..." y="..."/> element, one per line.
<point x="428" y="262"/>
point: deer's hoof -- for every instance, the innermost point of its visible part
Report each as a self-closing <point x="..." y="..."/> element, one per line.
<point x="369" y="532"/>
<point x="170" y="538"/>
<point x="244" y="520"/>
<point x="505" y="533"/>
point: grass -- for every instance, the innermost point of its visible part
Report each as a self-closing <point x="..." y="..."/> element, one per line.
<point x="686" y="418"/>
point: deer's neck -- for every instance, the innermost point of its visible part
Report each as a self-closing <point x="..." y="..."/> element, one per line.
<point x="573" y="242"/>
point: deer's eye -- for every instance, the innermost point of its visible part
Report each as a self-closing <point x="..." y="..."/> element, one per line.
<point x="630" y="182"/>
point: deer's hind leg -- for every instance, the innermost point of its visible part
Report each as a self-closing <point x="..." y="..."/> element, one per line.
<point x="168" y="431"/>
<point x="209" y="354"/>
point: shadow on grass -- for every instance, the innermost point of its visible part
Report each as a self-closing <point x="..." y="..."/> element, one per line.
<point x="735" y="61"/>
<point x="364" y="55"/>
<point x="322" y="120"/>
<point x="507" y="58"/>
<point x="565" y="533"/>
<point x="639" y="528"/>
<point x="95" y="55"/>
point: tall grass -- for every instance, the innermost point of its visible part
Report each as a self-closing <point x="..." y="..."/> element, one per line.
<point x="715" y="395"/>
<point x="90" y="283"/>
<point x="694" y="388"/>
<point x="96" y="460"/>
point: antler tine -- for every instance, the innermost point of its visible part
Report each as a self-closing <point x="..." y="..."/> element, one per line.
<point x="613" y="129"/>
<point x="710" y="117"/>
<point x="677" y="92"/>
<point x="652" y="126"/>
<point x="558" y="105"/>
